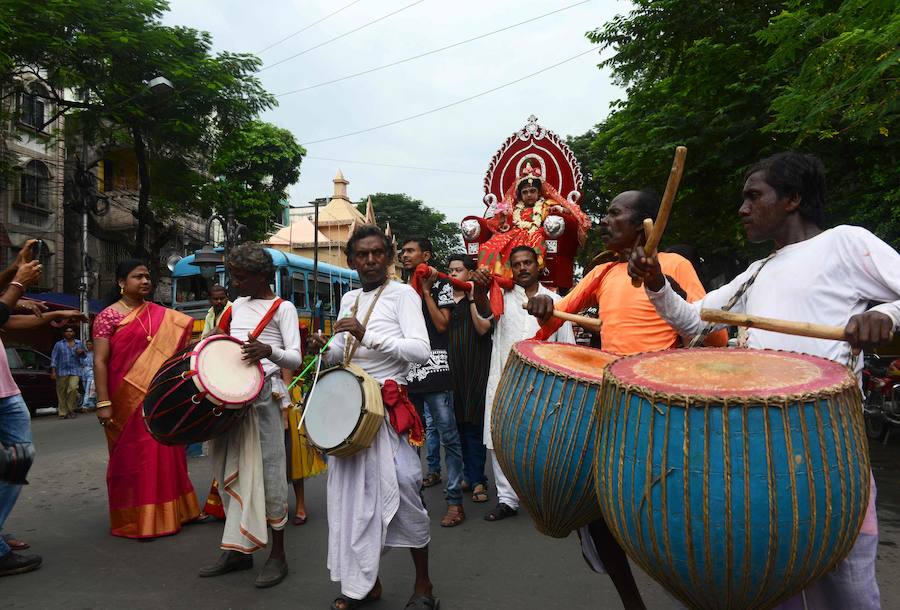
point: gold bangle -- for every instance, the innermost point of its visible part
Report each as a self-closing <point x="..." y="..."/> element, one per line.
<point x="104" y="403"/>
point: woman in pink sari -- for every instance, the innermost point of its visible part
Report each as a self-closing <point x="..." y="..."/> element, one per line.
<point x="150" y="493"/>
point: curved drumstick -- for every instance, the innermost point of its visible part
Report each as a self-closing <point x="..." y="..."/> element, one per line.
<point x="591" y="324"/>
<point x="803" y="329"/>
<point x="665" y="207"/>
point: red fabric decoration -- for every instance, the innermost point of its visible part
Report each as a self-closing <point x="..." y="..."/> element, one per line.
<point x="495" y="292"/>
<point x="403" y="415"/>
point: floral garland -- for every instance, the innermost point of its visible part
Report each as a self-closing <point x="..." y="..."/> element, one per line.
<point x="537" y="216"/>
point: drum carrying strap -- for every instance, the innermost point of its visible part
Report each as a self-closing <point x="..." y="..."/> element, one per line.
<point x="351" y="346"/>
<point x="225" y="320"/>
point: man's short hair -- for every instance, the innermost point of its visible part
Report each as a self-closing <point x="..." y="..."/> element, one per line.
<point x="252" y="258"/>
<point x="217" y="288"/>
<point x="528" y="249"/>
<point x="467" y="261"/>
<point x="789" y="173"/>
<point x="423" y="242"/>
<point x="364" y="231"/>
<point x="646" y="205"/>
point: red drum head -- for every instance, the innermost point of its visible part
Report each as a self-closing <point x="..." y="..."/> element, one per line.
<point x="724" y="373"/>
<point x="578" y="361"/>
<point x="222" y="374"/>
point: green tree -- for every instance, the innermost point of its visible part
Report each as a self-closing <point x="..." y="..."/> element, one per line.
<point x="721" y="79"/>
<point x="412" y="218"/>
<point x="107" y="52"/>
<point x="254" y="166"/>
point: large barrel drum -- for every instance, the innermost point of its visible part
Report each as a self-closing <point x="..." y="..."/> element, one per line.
<point x="733" y="477"/>
<point x="543" y="425"/>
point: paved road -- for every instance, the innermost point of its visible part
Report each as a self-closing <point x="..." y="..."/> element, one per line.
<point x="476" y="565"/>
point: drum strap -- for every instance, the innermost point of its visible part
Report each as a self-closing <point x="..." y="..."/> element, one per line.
<point x="225" y="320"/>
<point x="351" y="345"/>
<point x="699" y="339"/>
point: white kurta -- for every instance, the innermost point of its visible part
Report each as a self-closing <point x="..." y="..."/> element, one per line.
<point x="373" y="495"/>
<point x="515" y="325"/>
<point x="826" y="279"/>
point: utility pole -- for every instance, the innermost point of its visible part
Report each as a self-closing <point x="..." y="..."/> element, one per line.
<point x="315" y="298"/>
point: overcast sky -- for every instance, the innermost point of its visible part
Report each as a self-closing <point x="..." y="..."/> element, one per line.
<point x="567" y="99"/>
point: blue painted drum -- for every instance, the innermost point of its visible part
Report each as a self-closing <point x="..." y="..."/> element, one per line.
<point x="733" y="477"/>
<point x="543" y="423"/>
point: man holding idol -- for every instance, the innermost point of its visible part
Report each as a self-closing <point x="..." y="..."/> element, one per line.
<point x="827" y="277"/>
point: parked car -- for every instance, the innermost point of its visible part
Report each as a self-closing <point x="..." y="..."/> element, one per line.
<point x="31" y="372"/>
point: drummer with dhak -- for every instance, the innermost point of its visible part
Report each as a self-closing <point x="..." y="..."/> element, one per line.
<point x="814" y="275"/>
<point x="373" y="495"/>
<point x="252" y="452"/>
<point x="630" y="326"/>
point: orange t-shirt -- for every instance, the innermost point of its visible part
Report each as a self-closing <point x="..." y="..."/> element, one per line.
<point x="630" y="322"/>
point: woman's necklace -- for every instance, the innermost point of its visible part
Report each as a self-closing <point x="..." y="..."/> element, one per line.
<point x="147" y="330"/>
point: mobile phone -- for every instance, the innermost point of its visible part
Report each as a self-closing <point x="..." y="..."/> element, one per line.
<point x="37" y="249"/>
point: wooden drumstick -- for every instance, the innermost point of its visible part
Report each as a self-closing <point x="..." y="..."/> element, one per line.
<point x="665" y="207"/>
<point x="591" y="324"/>
<point x="648" y="229"/>
<point x="803" y="329"/>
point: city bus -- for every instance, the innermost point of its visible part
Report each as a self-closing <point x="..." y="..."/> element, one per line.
<point x="293" y="282"/>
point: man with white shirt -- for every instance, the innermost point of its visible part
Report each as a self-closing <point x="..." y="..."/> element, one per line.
<point x="374" y="496"/>
<point x="515" y="325"/>
<point x="252" y="452"/>
<point x="814" y="275"/>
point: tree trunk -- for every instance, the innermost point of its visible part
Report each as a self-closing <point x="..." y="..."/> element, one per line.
<point x="140" y="153"/>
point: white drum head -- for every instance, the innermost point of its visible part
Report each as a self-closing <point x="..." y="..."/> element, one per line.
<point x="334" y="408"/>
<point x="222" y="374"/>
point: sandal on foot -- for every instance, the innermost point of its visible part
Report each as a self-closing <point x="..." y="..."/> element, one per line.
<point x="431" y="479"/>
<point x="348" y="603"/>
<point x="464" y="486"/>
<point x="455" y="515"/>
<point x="15" y="544"/>
<point x="424" y="602"/>
<point x="500" y="512"/>
<point x="479" y="494"/>
<point x="299" y="520"/>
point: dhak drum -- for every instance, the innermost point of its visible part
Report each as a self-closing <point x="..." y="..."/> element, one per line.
<point x="734" y="477"/>
<point x="200" y="392"/>
<point x="543" y="425"/>
<point x="344" y="411"/>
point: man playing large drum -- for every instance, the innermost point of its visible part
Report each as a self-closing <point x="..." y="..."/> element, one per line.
<point x="513" y="326"/>
<point x="249" y="459"/>
<point x="630" y="326"/>
<point x="373" y="495"/>
<point x="814" y="275"/>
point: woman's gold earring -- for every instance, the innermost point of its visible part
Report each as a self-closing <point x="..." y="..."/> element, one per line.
<point x="121" y="289"/>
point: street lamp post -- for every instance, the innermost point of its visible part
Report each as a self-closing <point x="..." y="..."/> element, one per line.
<point x="207" y="258"/>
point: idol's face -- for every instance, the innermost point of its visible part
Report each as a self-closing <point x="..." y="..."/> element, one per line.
<point x="529" y="195"/>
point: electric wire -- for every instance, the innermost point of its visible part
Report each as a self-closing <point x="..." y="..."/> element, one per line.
<point x="451" y="104"/>
<point x="432" y="52"/>
<point x="338" y="37"/>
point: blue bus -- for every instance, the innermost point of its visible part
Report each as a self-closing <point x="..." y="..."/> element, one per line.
<point x="293" y="282"/>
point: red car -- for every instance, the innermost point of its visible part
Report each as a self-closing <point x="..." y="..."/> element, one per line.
<point x="31" y="372"/>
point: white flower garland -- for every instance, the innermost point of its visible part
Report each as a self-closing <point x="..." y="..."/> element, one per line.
<point x="537" y="216"/>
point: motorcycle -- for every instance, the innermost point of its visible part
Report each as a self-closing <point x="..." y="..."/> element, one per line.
<point x="881" y="387"/>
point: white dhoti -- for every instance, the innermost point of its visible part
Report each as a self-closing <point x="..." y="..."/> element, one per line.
<point x="374" y="502"/>
<point x="249" y="463"/>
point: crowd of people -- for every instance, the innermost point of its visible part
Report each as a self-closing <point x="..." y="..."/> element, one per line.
<point x="437" y="349"/>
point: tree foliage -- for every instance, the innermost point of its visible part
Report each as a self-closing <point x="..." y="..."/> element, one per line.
<point x="738" y="81"/>
<point x="106" y="51"/>
<point x="412" y="218"/>
<point x="254" y="166"/>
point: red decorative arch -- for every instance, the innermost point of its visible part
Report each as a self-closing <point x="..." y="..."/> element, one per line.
<point x="558" y="164"/>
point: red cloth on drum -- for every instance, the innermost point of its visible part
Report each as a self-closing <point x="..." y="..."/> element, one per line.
<point x="402" y="413"/>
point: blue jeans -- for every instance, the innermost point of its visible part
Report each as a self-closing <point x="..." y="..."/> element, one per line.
<point x="15" y="427"/>
<point x="474" y="453"/>
<point x="441" y="431"/>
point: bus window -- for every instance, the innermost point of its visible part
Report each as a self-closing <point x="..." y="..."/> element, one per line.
<point x="298" y="290"/>
<point x="325" y="296"/>
<point x="284" y="283"/>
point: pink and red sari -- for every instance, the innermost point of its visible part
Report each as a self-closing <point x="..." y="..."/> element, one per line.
<point x="150" y="493"/>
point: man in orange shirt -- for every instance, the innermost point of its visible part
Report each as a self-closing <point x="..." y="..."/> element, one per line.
<point x="630" y="325"/>
<point x="630" y="322"/>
